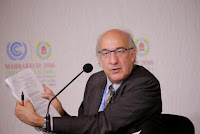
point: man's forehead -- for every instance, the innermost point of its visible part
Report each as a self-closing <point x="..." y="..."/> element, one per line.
<point x="114" y="44"/>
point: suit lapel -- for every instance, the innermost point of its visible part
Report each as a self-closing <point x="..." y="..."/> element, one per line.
<point x="97" y="97"/>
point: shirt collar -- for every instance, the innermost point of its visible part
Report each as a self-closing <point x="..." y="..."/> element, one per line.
<point x="115" y="86"/>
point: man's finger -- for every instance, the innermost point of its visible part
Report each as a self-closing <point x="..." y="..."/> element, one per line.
<point x="47" y="90"/>
<point x="28" y="102"/>
<point x="46" y="96"/>
<point x="18" y="103"/>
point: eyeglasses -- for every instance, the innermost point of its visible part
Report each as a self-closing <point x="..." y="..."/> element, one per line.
<point x="119" y="52"/>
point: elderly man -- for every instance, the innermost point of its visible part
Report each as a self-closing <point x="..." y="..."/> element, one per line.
<point x="122" y="99"/>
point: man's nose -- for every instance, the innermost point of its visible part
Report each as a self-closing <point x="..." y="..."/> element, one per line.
<point x="113" y="58"/>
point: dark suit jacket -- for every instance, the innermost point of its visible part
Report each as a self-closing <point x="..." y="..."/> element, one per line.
<point x="137" y="105"/>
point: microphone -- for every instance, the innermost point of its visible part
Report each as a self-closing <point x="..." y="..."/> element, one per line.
<point x="86" y="68"/>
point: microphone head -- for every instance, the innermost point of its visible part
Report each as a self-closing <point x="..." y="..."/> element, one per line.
<point x="87" y="68"/>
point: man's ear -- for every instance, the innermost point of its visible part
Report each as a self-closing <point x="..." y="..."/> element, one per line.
<point x="100" y="62"/>
<point x="133" y="54"/>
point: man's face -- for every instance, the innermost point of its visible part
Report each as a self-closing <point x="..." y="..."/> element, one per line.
<point x="117" y="68"/>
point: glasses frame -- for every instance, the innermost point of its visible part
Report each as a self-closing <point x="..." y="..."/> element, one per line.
<point x="110" y="51"/>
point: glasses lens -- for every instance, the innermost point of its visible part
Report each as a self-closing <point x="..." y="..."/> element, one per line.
<point x="105" y="53"/>
<point x="120" y="52"/>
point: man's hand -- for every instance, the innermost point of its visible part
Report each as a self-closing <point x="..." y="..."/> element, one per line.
<point x="56" y="103"/>
<point x="28" y="115"/>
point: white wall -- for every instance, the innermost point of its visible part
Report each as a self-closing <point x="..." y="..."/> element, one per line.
<point x="72" y="28"/>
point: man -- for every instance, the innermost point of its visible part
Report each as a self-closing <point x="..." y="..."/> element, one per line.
<point x="122" y="99"/>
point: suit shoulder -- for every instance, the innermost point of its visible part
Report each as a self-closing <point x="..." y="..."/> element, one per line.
<point x="141" y="74"/>
<point x="140" y="71"/>
<point x="96" y="77"/>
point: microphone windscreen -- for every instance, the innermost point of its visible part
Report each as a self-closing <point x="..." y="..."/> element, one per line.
<point x="87" y="68"/>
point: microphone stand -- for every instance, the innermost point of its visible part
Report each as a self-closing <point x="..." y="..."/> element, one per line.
<point x="48" y="126"/>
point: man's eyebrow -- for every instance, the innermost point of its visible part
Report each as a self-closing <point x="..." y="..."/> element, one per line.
<point x="120" y="47"/>
<point x="111" y="50"/>
<point x="104" y="50"/>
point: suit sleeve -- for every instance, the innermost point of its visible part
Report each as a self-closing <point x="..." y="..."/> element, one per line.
<point x="139" y="99"/>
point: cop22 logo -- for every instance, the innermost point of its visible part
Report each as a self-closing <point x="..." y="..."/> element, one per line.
<point x="143" y="46"/>
<point x="43" y="50"/>
<point x="16" y="50"/>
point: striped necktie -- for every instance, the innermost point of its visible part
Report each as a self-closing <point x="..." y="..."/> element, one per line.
<point x="112" y="93"/>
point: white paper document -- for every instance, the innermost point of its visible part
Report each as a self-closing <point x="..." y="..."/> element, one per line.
<point x="26" y="82"/>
